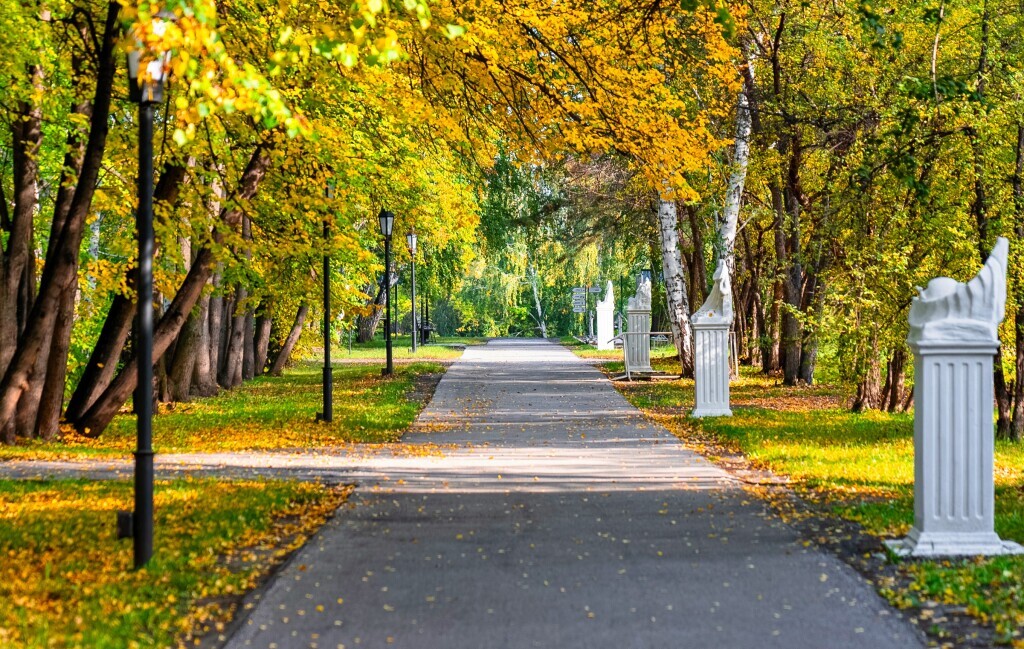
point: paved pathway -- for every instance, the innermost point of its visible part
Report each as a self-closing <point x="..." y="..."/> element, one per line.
<point x="563" y="519"/>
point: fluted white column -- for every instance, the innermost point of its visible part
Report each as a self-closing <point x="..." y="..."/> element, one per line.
<point x="711" y="369"/>
<point x="953" y="334"/>
<point x="639" y="347"/>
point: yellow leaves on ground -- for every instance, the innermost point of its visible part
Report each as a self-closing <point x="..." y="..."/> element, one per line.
<point x="66" y="581"/>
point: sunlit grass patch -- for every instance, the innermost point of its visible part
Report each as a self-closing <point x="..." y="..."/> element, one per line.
<point x="859" y="467"/>
<point x="663" y="357"/>
<point x="447" y="348"/>
<point x="66" y="581"/>
<point x="266" y="413"/>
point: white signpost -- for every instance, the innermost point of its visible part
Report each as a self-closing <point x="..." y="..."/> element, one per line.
<point x="579" y="299"/>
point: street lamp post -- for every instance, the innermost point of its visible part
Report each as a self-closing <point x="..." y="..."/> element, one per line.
<point x="411" y="240"/>
<point x="386" y="220"/>
<point x="328" y="376"/>
<point x="146" y="87"/>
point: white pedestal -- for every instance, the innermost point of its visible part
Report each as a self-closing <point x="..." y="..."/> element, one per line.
<point x="954" y="492"/>
<point x="711" y="370"/>
<point x="638" y="347"/>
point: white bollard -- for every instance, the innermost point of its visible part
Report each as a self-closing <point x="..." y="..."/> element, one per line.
<point x="711" y="349"/>
<point x="954" y="337"/>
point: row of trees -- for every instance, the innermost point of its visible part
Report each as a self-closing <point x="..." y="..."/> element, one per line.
<point x="868" y="149"/>
<point x="395" y="106"/>
<point x="835" y="155"/>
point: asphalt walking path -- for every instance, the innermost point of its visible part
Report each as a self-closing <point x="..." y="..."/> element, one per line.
<point x="559" y="518"/>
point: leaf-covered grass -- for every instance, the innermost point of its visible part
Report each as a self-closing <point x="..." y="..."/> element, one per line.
<point x="662" y="356"/>
<point x="861" y="466"/>
<point x="66" y="581"/>
<point x="265" y="413"/>
<point x="447" y="348"/>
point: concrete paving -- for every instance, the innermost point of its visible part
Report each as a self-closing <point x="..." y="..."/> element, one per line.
<point x="560" y="518"/>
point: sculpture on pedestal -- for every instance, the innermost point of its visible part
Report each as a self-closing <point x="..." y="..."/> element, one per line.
<point x="637" y="346"/>
<point x="711" y="359"/>
<point x="605" y="319"/>
<point x="954" y="337"/>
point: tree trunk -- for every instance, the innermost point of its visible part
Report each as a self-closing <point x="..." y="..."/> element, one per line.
<point x="698" y="284"/>
<point x="738" y="176"/>
<point x="100" y="414"/>
<point x="675" y="284"/>
<point x="534" y="281"/>
<point x="248" y="369"/>
<point x="182" y="367"/>
<point x="215" y="331"/>
<point x="367" y="324"/>
<point x="103" y="360"/>
<point x="1017" y="185"/>
<point x="26" y="135"/>
<point x="786" y="205"/>
<point x="262" y="342"/>
<point x="204" y="383"/>
<point x="289" y="343"/>
<point x="869" y="390"/>
<point x="895" y="380"/>
<point x="233" y="355"/>
<point x="60" y="275"/>
<point x="249" y="345"/>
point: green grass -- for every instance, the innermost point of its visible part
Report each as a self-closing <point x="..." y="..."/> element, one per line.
<point x="66" y="581"/>
<point x="401" y="348"/>
<point x="860" y="467"/>
<point x="663" y="358"/>
<point x="265" y="413"/>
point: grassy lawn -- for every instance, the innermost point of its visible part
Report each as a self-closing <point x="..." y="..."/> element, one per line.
<point x="859" y="467"/>
<point x="665" y="354"/>
<point x="401" y="348"/>
<point x="66" y="581"/>
<point x="265" y="413"/>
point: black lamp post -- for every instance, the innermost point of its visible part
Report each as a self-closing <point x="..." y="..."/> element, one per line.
<point x="328" y="376"/>
<point x="387" y="224"/>
<point x="411" y="240"/>
<point x="146" y="86"/>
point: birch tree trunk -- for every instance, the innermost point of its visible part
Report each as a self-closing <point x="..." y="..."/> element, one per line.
<point x="675" y="283"/>
<point x="738" y="176"/>
<point x="532" y="274"/>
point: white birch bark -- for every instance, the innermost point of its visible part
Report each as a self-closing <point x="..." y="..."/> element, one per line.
<point x="675" y="282"/>
<point x="738" y="176"/>
<point x="532" y="274"/>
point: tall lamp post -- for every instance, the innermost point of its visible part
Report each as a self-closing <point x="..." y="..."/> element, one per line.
<point x="328" y="376"/>
<point x="146" y="87"/>
<point x="411" y="240"/>
<point x="386" y="220"/>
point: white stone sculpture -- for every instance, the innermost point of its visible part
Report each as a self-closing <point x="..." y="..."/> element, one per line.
<point x="711" y="359"/>
<point x="642" y="299"/>
<point x="637" y="347"/>
<point x="954" y="337"/>
<point x="606" y="319"/>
